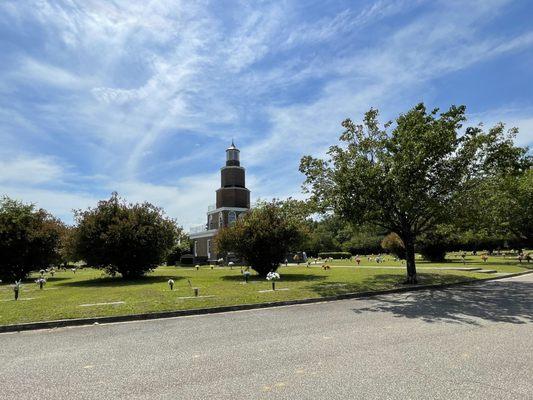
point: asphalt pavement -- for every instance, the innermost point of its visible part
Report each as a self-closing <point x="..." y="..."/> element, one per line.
<point x="468" y="342"/>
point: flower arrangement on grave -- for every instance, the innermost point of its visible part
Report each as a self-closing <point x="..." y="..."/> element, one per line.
<point x="16" y="288"/>
<point x="171" y="284"/>
<point x="73" y="270"/>
<point x="41" y="281"/>
<point x="246" y="275"/>
<point x="273" y="277"/>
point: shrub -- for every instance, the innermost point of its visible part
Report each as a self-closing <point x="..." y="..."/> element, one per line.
<point x="263" y="237"/>
<point x="29" y="239"/>
<point x="336" y="255"/>
<point x="174" y="256"/>
<point x="393" y="244"/>
<point x="187" y="259"/>
<point x="435" y="252"/>
<point x="129" y="239"/>
<point x="434" y="245"/>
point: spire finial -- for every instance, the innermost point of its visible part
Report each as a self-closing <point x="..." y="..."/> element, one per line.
<point x="232" y="142"/>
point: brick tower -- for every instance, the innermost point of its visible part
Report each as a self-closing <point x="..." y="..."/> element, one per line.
<point x="232" y="201"/>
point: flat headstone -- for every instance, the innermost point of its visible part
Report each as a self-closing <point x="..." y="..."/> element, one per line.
<point x="102" y="304"/>
<point x="21" y="299"/>
<point x="487" y="271"/>
<point x="194" y="297"/>
<point x="270" y="290"/>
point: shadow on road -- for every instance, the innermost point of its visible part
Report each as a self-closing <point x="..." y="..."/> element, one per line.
<point x="497" y="301"/>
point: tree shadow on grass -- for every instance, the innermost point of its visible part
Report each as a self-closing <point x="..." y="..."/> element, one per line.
<point x="374" y="282"/>
<point x="49" y="279"/>
<point x="109" y="281"/>
<point x="384" y="281"/>
<point x="284" y="278"/>
<point x="55" y="279"/>
<point x="495" y="301"/>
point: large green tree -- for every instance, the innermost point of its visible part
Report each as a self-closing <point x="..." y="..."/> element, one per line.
<point x="405" y="177"/>
<point x="503" y="208"/>
<point x="29" y="239"/>
<point x="515" y="206"/>
<point x="129" y="239"/>
<point x="265" y="235"/>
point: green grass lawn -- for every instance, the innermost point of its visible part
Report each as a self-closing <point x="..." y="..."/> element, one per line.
<point x="77" y="295"/>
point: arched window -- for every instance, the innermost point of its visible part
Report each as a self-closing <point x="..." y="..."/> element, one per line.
<point x="232" y="217"/>
<point x="220" y="220"/>
<point x="210" y="221"/>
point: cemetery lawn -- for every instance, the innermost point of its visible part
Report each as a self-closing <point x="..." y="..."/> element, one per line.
<point x="90" y="293"/>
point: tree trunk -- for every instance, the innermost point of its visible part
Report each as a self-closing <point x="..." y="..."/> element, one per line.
<point x="409" y="244"/>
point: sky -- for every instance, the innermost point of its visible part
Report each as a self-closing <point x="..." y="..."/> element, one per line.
<point x="143" y="97"/>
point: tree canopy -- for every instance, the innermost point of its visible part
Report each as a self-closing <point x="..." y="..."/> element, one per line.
<point x="129" y="239"/>
<point x="408" y="176"/>
<point x="29" y="239"/>
<point x="264" y="236"/>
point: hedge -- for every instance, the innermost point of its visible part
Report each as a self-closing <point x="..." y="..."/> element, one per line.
<point x="336" y="255"/>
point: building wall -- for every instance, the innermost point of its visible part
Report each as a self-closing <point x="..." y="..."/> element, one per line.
<point x="220" y="219"/>
<point x="233" y="197"/>
<point x="232" y="176"/>
<point x="201" y="247"/>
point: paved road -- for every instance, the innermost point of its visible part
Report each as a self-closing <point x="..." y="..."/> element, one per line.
<point x="472" y="342"/>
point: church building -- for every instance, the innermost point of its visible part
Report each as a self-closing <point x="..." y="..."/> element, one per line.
<point x="232" y="201"/>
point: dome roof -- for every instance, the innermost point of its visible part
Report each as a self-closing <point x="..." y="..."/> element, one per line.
<point x="232" y="147"/>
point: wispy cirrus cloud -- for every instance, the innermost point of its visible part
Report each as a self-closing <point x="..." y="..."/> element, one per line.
<point x="143" y="97"/>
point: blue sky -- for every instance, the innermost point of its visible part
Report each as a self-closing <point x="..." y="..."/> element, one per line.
<point x="143" y="97"/>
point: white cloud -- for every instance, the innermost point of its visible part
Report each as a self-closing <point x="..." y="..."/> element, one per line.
<point x="24" y="170"/>
<point x="512" y="117"/>
<point x="60" y="203"/>
<point x="385" y="76"/>
<point x="137" y="74"/>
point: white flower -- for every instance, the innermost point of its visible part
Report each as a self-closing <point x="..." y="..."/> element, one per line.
<point x="170" y="281"/>
<point x="272" y="276"/>
<point x="246" y="273"/>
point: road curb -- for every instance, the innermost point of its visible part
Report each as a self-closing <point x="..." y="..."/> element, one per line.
<point x="216" y="310"/>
